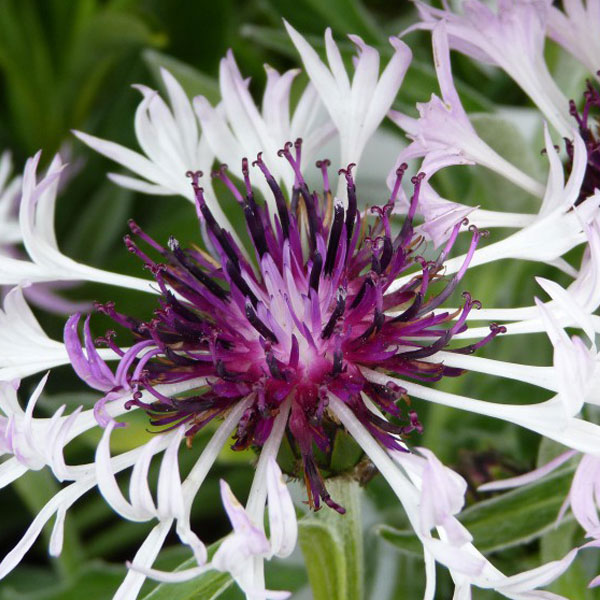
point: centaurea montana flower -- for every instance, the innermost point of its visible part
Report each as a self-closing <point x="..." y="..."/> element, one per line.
<point x="293" y="339"/>
<point x="296" y="331"/>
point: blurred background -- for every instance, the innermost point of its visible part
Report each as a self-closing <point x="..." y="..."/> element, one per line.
<point x="69" y="65"/>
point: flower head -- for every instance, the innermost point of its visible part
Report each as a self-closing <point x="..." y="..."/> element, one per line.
<point x="297" y="326"/>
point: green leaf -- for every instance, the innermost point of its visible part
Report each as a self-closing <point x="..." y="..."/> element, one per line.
<point x="404" y="540"/>
<point x="194" y="82"/>
<point x="506" y="138"/>
<point x="343" y="16"/>
<point x="96" y="581"/>
<point x="207" y="586"/>
<point x="332" y="545"/>
<point x="504" y="521"/>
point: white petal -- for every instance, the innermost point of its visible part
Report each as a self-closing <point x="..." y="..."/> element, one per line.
<point x="283" y="525"/>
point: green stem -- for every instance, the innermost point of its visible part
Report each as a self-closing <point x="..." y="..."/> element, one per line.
<point x="332" y="545"/>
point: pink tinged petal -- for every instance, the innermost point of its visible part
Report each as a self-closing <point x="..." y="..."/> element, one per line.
<point x="442" y="496"/>
<point x="283" y="525"/>
<point x="583" y="494"/>
<point x="98" y="367"/>
<point x="248" y="534"/>
<point x="87" y="367"/>
<point x="440" y="222"/>
<point x="443" y="70"/>
<point x="531" y="477"/>
<point x="530" y="580"/>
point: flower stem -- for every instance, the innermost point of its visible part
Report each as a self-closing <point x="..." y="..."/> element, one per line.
<point x="332" y="545"/>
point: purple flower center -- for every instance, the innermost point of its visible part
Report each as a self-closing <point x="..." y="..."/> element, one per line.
<point x="298" y="321"/>
<point x="589" y="129"/>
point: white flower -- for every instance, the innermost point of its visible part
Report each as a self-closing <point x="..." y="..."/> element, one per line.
<point x="577" y="30"/>
<point x="283" y="346"/>
<point x="36" y="219"/>
<point x="10" y="232"/>
<point x="444" y="133"/>
<point x="236" y="128"/>
<point x="356" y="107"/>
<point x="512" y="38"/>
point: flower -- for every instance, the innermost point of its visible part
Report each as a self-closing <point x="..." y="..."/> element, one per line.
<point x="358" y="107"/>
<point x="321" y="332"/>
<point x="299" y="329"/>
<point x="512" y="38"/>
<point x="577" y="29"/>
<point x="578" y="373"/>
<point x="443" y="132"/>
<point x="42" y="294"/>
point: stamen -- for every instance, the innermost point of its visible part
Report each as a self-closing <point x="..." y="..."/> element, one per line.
<point x="398" y="183"/>
<point x="334" y="238"/>
<point x="352" y="203"/>
<point x="315" y="273"/>
<point x="259" y="325"/>
<point x="282" y="210"/>
<point x="338" y="311"/>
